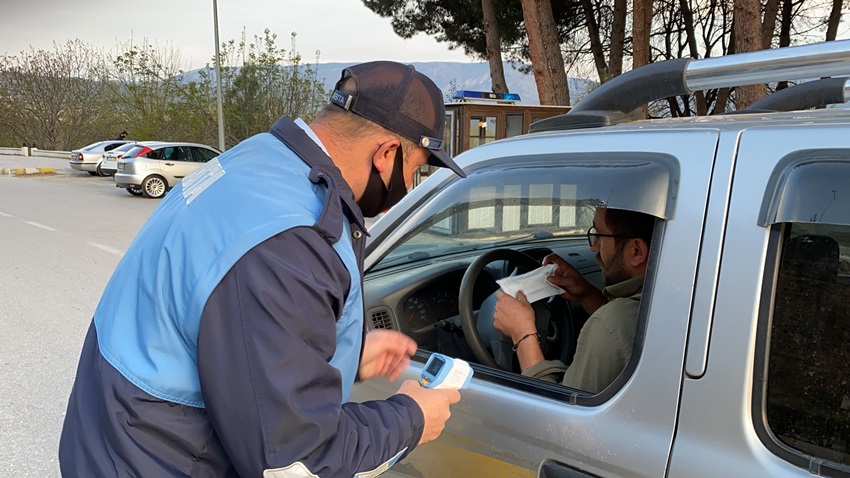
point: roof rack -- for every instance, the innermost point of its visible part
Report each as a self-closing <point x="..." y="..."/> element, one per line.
<point x="617" y="101"/>
<point x="812" y="94"/>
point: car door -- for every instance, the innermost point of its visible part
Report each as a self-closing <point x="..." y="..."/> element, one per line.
<point x="176" y="163"/>
<point x="766" y="389"/>
<point x="510" y="425"/>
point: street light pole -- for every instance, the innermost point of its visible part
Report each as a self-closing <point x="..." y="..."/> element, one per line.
<point x="218" y="79"/>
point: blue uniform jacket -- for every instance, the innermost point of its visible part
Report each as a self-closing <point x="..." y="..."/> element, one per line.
<point x="212" y="352"/>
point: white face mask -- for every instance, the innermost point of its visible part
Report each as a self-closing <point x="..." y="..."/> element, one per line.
<point x="533" y="284"/>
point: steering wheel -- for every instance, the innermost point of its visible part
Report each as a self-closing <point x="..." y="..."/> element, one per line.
<point x="552" y="317"/>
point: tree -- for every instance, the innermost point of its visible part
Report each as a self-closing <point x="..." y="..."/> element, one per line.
<point x="546" y="59"/>
<point x="834" y="19"/>
<point x="747" y="27"/>
<point x="641" y="25"/>
<point x="269" y="82"/>
<point x="53" y="98"/>
<point x="460" y="24"/>
<point x="494" y="50"/>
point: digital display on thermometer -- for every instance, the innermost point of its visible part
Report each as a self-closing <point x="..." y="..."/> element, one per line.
<point x="445" y="372"/>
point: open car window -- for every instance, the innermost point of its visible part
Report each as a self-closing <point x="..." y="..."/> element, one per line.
<point x="419" y="285"/>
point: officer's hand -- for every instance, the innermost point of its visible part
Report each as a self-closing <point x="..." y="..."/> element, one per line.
<point x="434" y="405"/>
<point x="386" y="353"/>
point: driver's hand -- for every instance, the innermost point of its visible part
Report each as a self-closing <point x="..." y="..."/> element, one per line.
<point x="566" y="277"/>
<point x="576" y="287"/>
<point x="514" y="317"/>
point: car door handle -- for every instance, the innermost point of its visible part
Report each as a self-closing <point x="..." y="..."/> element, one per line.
<point x="169" y="164"/>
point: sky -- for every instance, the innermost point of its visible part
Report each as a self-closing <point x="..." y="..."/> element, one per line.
<point x="342" y="30"/>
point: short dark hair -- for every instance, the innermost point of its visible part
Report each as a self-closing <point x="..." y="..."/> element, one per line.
<point x="630" y="223"/>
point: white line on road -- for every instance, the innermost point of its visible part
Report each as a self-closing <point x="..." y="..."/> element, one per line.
<point x="5" y="214"/>
<point x="42" y="226"/>
<point x="108" y="249"/>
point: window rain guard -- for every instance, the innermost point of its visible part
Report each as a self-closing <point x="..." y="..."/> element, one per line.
<point x="809" y="186"/>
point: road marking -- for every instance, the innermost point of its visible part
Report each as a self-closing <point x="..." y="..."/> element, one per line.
<point x="42" y="226"/>
<point x="108" y="249"/>
<point x="5" y="214"/>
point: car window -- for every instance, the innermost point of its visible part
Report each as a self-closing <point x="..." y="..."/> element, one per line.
<point x="202" y="155"/>
<point x="538" y="209"/>
<point x="92" y="146"/>
<point x="158" y="153"/>
<point x="176" y="153"/>
<point x="803" y="387"/>
<point x="110" y="147"/>
<point x="124" y="148"/>
<point x="808" y="381"/>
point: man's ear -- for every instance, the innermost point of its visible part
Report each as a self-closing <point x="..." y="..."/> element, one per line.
<point x="638" y="250"/>
<point x="384" y="157"/>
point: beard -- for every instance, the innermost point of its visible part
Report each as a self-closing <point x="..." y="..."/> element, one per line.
<point x="613" y="271"/>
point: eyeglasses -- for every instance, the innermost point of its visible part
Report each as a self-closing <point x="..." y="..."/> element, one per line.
<point x="593" y="236"/>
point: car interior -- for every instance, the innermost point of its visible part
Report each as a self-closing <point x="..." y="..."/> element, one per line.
<point x="436" y="280"/>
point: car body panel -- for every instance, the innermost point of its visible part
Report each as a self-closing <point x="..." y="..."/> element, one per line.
<point x="690" y="406"/>
<point x="711" y="441"/>
<point x="585" y="437"/>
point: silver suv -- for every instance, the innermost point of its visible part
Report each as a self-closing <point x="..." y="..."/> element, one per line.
<point x="155" y="168"/>
<point x="739" y="361"/>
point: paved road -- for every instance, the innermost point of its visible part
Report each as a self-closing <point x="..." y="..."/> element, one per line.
<point x="60" y="239"/>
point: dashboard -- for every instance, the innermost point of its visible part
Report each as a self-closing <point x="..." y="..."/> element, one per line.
<point x="419" y="298"/>
<point x="428" y="305"/>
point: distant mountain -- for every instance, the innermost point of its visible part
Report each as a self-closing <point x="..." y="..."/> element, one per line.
<point x="457" y="75"/>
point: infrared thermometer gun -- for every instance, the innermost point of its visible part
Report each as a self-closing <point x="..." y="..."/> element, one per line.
<point x="445" y="372"/>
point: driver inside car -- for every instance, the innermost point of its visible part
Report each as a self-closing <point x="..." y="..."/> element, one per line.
<point x="621" y="241"/>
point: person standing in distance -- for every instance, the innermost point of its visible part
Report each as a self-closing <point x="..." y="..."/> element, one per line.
<point x="228" y="339"/>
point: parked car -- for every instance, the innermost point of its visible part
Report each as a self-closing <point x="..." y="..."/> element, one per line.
<point x="739" y="362"/>
<point x="109" y="165"/>
<point x="153" y="169"/>
<point x="89" y="158"/>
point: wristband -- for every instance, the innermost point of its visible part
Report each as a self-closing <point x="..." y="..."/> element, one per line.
<point x="525" y="337"/>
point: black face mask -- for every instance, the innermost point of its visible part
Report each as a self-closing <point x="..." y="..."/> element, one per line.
<point x="377" y="198"/>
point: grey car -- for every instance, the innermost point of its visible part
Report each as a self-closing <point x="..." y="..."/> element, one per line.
<point x="90" y="157"/>
<point x="153" y="169"/>
<point x="739" y="362"/>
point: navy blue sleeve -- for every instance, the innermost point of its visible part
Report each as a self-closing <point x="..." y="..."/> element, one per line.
<point x="266" y="336"/>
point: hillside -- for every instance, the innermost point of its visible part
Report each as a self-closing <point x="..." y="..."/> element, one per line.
<point x="466" y="76"/>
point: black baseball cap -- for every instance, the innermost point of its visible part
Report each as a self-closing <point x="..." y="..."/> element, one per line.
<point x="400" y="99"/>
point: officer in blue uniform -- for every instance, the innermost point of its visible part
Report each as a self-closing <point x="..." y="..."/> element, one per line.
<point x="228" y="338"/>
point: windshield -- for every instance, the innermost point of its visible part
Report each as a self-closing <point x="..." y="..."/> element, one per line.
<point x="525" y="204"/>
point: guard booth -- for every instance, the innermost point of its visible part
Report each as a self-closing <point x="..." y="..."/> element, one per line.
<point x="474" y="118"/>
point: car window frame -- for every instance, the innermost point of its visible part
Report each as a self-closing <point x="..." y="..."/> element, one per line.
<point x="787" y="184"/>
<point x="558" y="391"/>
